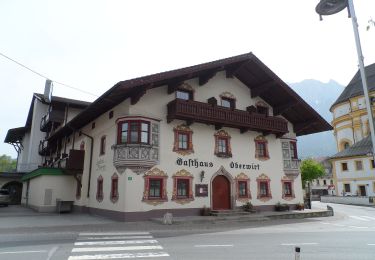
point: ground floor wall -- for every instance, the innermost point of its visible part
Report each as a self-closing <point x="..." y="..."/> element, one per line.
<point x="356" y="187"/>
<point x="41" y="193"/>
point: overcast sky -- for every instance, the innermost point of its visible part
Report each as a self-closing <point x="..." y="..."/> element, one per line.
<point x="91" y="45"/>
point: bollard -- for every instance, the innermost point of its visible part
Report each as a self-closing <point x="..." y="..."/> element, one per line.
<point x="297" y="253"/>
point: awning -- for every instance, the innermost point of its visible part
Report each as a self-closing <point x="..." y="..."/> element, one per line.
<point x="15" y="135"/>
<point x="42" y="171"/>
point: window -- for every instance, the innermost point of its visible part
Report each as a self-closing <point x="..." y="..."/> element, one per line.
<point x="346" y="145"/>
<point x="324" y="182"/>
<point x="261" y="150"/>
<point x="99" y="189"/>
<point x="358" y="165"/>
<point x="114" y="188"/>
<point x="372" y="164"/>
<point x="93" y="125"/>
<point x="110" y="115"/>
<point x="134" y="132"/>
<point x="102" y="145"/>
<point x="347" y="187"/>
<point x="182" y="187"/>
<point x="183" y="143"/>
<point x="344" y="166"/>
<point x="82" y="146"/>
<point x="331" y="182"/>
<point x="228" y="102"/>
<point x="262" y="110"/>
<point x="155" y="187"/>
<point x="184" y="94"/>
<point x="287" y="188"/>
<point x="222" y="144"/>
<point x="293" y="150"/>
<point x="242" y="189"/>
<point x="264" y="191"/>
<point x="317" y="182"/>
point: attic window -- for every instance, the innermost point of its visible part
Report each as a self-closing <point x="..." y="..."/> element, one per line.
<point x="93" y="125"/>
<point x="184" y="94"/>
<point x="110" y="114"/>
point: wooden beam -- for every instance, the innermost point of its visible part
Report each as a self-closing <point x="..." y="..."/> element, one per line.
<point x="285" y="107"/>
<point x="189" y="122"/>
<point x="231" y="71"/>
<point x="243" y="130"/>
<point x="303" y="125"/>
<point x="204" y="78"/>
<point x="258" y="90"/>
<point x="218" y="127"/>
<point x="137" y="95"/>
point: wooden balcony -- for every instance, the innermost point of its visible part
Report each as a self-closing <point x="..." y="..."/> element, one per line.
<point x="71" y="163"/>
<point x="53" y="117"/>
<point x="194" y="111"/>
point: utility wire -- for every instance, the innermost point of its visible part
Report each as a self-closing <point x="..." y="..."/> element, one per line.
<point x="41" y="75"/>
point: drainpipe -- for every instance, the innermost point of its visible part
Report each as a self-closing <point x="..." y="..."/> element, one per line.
<point x="90" y="167"/>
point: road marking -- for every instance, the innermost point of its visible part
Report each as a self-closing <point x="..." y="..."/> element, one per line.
<point x="359" y="218"/>
<point x="114" y="237"/>
<point x="299" y="244"/>
<point x="339" y="225"/>
<point x="51" y="252"/>
<point x="371" y="218"/>
<point x="126" y="242"/>
<point x="23" y="252"/>
<point x="118" y="256"/>
<point x="120" y="248"/>
<point x="357" y="227"/>
<point x="325" y="223"/>
<point x="114" y="233"/>
<point x="213" y="246"/>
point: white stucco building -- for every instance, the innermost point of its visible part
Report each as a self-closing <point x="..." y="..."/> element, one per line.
<point x="353" y="165"/>
<point x="213" y="135"/>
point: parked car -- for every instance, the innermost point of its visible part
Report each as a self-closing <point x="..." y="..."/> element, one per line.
<point x="4" y="197"/>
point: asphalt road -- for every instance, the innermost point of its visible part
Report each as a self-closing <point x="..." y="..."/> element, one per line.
<point x="350" y="234"/>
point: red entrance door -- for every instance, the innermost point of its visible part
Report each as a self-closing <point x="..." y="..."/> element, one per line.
<point x="220" y="193"/>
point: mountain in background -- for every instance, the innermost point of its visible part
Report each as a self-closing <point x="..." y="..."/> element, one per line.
<point x="319" y="96"/>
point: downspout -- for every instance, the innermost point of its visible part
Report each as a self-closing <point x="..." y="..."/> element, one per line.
<point x="90" y="167"/>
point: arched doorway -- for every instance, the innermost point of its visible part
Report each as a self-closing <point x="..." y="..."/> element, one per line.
<point x="220" y="193"/>
<point x="15" y="191"/>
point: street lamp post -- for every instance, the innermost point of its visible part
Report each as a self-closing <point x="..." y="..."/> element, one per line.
<point x="329" y="7"/>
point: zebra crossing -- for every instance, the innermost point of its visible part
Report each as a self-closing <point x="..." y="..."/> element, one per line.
<point x="116" y="245"/>
<point x="355" y="222"/>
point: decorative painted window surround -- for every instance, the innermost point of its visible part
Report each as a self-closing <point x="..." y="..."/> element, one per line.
<point x="185" y="92"/>
<point x="183" y="142"/>
<point x="114" y="188"/>
<point x="264" y="188"/>
<point x="243" y="193"/>
<point x="228" y="100"/>
<point x="262" y="108"/>
<point x="155" y="176"/>
<point x="182" y="187"/>
<point x="222" y="144"/>
<point x="287" y="188"/>
<point x="261" y="148"/>
<point x="99" y="189"/>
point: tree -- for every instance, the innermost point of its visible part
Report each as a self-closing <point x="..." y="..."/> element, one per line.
<point x="7" y="164"/>
<point x="311" y="170"/>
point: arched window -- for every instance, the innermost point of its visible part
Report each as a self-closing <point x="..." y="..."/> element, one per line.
<point x="114" y="188"/>
<point x="99" y="189"/>
<point x="102" y="145"/>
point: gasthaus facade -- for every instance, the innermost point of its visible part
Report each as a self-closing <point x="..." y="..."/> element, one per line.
<point x="214" y="135"/>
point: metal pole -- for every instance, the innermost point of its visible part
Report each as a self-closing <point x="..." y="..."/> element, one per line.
<point x="363" y="74"/>
<point x="297" y="251"/>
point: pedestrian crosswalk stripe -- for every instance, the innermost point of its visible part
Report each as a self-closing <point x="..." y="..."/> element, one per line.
<point x="126" y="242"/>
<point x="113" y="237"/>
<point x="359" y="218"/>
<point x="120" y="248"/>
<point x="114" y="233"/>
<point x="119" y="256"/>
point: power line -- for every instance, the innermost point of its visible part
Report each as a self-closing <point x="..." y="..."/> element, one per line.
<point x="45" y="77"/>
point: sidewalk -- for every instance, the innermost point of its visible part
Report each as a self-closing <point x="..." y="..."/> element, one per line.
<point x="16" y="217"/>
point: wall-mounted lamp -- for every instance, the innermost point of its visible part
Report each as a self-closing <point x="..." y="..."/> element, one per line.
<point x="202" y="175"/>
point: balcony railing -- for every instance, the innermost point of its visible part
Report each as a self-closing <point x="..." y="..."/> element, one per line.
<point x="195" y="111"/>
<point x="43" y="147"/>
<point x="71" y="163"/>
<point x="54" y="116"/>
